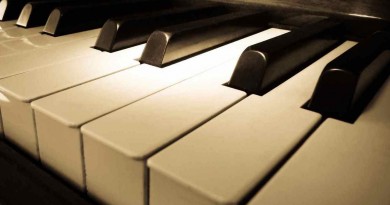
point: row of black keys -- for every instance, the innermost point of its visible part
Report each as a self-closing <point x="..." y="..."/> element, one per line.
<point x="344" y="88"/>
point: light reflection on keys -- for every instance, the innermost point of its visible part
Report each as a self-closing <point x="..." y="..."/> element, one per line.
<point x="29" y="43"/>
<point x="18" y="33"/>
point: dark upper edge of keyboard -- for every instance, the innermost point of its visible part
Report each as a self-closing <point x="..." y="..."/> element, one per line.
<point x="70" y="19"/>
<point x="37" y="13"/>
<point x="10" y="9"/>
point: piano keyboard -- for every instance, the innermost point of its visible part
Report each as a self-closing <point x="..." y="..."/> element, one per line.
<point x="183" y="118"/>
<point x="270" y="126"/>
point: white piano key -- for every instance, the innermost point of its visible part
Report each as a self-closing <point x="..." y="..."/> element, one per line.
<point x="220" y="162"/>
<point x="43" y="41"/>
<point x="5" y="50"/>
<point x="4" y="25"/>
<point x="20" y="90"/>
<point x="25" y="62"/>
<point x="16" y="33"/>
<point x="68" y="110"/>
<point x="340" y="163"/>
<point x="117" y="145"/>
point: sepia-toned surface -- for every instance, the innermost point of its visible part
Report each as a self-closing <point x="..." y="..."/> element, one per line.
<point x="366" y="8"/>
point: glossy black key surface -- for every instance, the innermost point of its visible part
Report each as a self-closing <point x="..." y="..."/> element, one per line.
<point x="348" y="83"/>
<point x="10" y="9"/>
<point x="124" y="32"/>
<point x="36" y="13"/>
<point x="171" y="44"/>
<point x="71" y="19"/>
<point x="263" y="66"/>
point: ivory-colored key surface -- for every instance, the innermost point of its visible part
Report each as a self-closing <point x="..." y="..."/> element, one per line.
<point x="20" y="90"/>
<point x="5" y="50"/>
<point x="19" y="63"/>
<point x="17" y="32"/>
<point x="58" y="117"/>
<point x="128" y="136"/>
<point x="25" y="62"/>
<point x="4" y="25"/>
<point x="340" y="163"/>
<point x="220" y="162"/>
<point x="29" y="43"/>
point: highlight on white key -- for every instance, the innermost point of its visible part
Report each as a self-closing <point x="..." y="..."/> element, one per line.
<point x="3" y="98"/>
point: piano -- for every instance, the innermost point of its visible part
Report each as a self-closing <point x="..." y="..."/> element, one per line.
<point x="182" y="102"/>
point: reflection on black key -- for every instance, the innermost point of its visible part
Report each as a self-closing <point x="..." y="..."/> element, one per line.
<point x="10" y="9"/>
<point x="124" y="32"/>
<point x="348" y="83"/>
<point x="168" y="45"/>
<point x="71" y="19"/>
<point x="263" y="66"/>
<point x="36" y="13"/>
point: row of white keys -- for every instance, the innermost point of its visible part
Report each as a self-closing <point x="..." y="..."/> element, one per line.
<point x="117" y="145"/>
<point x="340" y="163"/>
<point x="22" y="62"/>
<point x="20" y="90"/>
<point x="220" y="162"/>
<point x="59" y="117"/>
<point x="40" y="41"/>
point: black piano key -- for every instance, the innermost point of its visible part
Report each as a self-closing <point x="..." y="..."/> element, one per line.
<point x="36" y="13"/>
<point x="168" y="45"/>
<point x="124" y="32"/>
<point x="349" y="82"/>
<point x="71" y="19"/>
<point x="263" y="66"/>
<point x="10" y="9"/>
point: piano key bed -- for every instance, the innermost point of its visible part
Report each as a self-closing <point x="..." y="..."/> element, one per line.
<point x="220" y="105"/>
